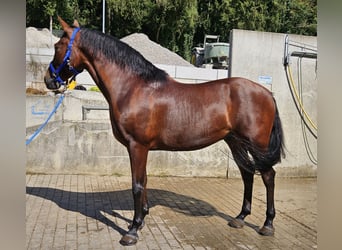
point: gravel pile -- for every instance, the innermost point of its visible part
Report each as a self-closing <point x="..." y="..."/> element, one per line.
<point x="39" y="38"/>
<point x="153" y="52"/>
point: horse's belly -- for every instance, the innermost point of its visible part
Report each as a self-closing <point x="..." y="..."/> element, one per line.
<point x="189" y="139"/>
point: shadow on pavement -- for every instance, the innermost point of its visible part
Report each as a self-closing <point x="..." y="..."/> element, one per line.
<point x="96" y="204"/>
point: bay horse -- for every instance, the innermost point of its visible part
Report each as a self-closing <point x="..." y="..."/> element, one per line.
<point x="151" y="111"/>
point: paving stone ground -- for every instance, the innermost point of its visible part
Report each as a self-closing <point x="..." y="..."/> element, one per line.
<point x="92" y="212"/>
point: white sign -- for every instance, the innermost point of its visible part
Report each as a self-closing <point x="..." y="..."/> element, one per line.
<point x="265" y="80"/>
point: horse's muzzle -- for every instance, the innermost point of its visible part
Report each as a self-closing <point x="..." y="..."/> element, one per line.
<point x="51" y="83"/>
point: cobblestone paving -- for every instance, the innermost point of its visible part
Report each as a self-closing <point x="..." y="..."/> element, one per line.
<point x="92" y="212"/>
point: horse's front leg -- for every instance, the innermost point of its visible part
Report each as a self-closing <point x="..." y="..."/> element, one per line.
<point x="138" y="159"/>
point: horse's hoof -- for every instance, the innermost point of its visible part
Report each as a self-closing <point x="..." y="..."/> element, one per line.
<point x="129" y="239"/>
<point x="236" y="223"/>
<point x="266" y="231"/>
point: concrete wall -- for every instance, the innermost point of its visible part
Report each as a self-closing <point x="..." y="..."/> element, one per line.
<point x="89" y="148"/>
<point x="38" y="107"/>
<point x="70" y="145"/>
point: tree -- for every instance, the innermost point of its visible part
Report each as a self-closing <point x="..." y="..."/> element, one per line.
<point x="301" y="17"/>
<point x="173" y="24"/>
<point x="34" y="15"/>
<point x="50" y="9"/>
<point x="125" y="17"/>
<point x="89" y="13"/>
<point x="178" y="24"/>
<point x="39" y="13"/>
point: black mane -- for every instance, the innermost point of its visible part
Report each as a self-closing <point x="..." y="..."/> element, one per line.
<point x="121" y="54"/>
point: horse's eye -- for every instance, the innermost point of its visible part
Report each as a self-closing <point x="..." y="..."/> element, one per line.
<point x="57" y="48"/>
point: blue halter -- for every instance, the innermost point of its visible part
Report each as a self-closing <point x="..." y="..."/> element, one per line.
<point x="66" y="61"/>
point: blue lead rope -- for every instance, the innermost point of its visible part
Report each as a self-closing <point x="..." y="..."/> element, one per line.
<point x="57" y="78"/>
<point x="28" y="141"/>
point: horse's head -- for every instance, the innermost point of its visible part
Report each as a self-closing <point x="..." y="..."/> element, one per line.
<point x="66" y="62"/>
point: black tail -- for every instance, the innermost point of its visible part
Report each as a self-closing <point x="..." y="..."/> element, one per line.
<point x="276" y="146"/>
<point x="260" y="159"/>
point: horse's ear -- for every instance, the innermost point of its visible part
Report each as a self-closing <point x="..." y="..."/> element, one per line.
<point x="76" y="24"/>
<point x="65" y="26"/>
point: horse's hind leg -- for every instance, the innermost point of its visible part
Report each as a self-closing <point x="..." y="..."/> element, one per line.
<point x="240" y="154"/>
<point x="268" y="179"/>
<point x="248" y="178"/>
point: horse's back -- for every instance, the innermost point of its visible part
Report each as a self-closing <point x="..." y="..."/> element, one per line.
<point x="196" y="115"/>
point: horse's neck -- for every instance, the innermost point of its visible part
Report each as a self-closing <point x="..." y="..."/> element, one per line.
<point x="110" y="78"/>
